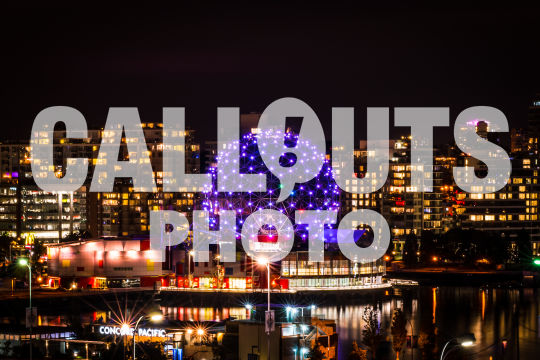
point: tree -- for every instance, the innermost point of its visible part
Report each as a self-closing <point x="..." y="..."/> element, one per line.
<point x="219" y="351"/>
<point x="16" y="271"/>
<point x="6" y="348"/>
<point x="77" y="236"/>
<point x="38" y="250"/>
<point x="427" y="247"/>
<point x="428" y="342"/>
<point x="146" y="350"/>
<point x="399" y="331"/>
<point x="498" y="249"/>
<point x="116" y="351"/>
<point x="357" y="353"/>
<point x="315" y="353"/>
<point x="22" y="351"/>
<point x="523" y="248"/>
<point x="149" y="350"/>
<point x="411" y="248"/>
<point x="456" y="244"/>
<point x="5" y="243"/>
<point x="467" y="246"/>
<point x="372" y="334"/>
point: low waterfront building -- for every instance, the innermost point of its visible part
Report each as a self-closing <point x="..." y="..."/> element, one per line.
<point x="106" y="262"/>
<point x="335" y="273"/>
<point x="12" y="337"/>
<point x="294" y="273"/>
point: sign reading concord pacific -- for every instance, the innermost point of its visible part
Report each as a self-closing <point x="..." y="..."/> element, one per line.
<point x="128" y="331"/>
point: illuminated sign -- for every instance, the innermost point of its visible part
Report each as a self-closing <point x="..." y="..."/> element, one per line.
<point x="29" y="240"/>
<point x="126" y="330"/>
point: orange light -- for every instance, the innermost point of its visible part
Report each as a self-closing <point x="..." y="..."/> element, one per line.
<point x="39" y="279"/>
<point x="435" y="259"/>
<point x="387" y="258"/>
<point x="262" y="261"/>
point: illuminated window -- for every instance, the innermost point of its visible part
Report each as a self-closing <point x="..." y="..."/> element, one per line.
<point x="490" y="217"/>
<point x="292" y="268"/>
<point x="285" y="267"/>
<point x="476" y="217"/>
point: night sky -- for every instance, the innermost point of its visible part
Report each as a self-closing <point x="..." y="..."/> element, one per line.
<point x="247" y="56"/>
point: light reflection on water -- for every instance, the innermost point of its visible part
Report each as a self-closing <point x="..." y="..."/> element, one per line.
<point x="204" y="313"/>
<point x="488" y="313"/>
<point x="448" y="311"/>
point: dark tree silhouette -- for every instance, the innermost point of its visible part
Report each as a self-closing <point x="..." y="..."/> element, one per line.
<point x="315" y="353"/>
<point x="399" y="331"/>
<point x="373" y="333"/>
<point x="524" y="249"/>
<point x="410" y="256"/>
<point x="428" y="247"/>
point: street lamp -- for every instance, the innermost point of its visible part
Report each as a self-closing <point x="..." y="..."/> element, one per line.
<point x="153" y="317"/>
<point x="249" y="307"/>
<point x="464" y="341"/>
<point x="25" y="262"/>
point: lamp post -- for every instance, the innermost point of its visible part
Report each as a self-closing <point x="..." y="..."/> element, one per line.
<point x="265" y="262"/>
<point x="464" y="341"/>
<point x="25" y="262"/>
<point x="190" y="254"/>
<point x="154" y="317"/>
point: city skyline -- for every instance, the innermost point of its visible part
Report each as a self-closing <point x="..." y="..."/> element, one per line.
<point x="281" y="181"/>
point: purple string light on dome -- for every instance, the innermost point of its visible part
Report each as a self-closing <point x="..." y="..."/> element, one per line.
<point x="315" y="194"/>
